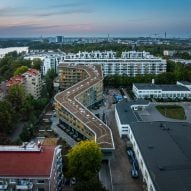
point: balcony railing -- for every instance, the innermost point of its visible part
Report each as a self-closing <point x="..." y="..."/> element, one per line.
<point x="24" y="186"/>
<point x="3" y="186"/>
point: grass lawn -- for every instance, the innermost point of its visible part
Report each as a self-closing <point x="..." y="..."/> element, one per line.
<point x="172" y="111"/>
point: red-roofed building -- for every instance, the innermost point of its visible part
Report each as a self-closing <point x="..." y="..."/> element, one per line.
<point x="31" y="167"/>
<point x="30" y="80"/>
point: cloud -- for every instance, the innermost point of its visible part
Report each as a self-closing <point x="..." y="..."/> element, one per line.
<point x="26" y="29"/>
<point x="46" y="10"/>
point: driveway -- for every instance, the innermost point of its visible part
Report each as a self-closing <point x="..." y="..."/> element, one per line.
<point x="120" y="165"/>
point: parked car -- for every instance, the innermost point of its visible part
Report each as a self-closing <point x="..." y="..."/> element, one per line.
<point x="73" y="181"/>
<point x="130" y="155"/>
<point x="134" y="171"/>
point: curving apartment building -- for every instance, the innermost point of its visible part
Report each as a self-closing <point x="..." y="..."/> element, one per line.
<point x="83" y="88"/>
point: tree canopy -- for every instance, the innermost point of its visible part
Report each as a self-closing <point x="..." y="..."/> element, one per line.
<point x="20" y="70"/>
<point x="84" y="160"/>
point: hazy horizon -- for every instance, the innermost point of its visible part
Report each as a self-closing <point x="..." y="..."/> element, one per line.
<point x="90" y="18"/>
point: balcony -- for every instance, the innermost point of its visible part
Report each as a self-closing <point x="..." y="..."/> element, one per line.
<point x="24" y="186"/>
<point x="3" y="186"/>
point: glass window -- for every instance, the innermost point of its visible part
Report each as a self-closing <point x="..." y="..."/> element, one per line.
<point x="40" y="181"/>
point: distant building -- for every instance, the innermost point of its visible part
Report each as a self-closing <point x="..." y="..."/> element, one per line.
<point x="172" y="91"/>
<point x="4" y="51"/>
<point x="59" y="39"/>
<point x="31" y="167"/>
<point x="169" y="52"/>
<point x="51" y="62"/>
<point x="182" y="61"/>
<point x="130" y="63"/>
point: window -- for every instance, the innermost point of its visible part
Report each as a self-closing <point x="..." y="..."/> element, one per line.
<point x="40" y="181"/>
<point x="41" y="189"/>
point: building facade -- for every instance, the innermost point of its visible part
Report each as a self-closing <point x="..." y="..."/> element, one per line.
<point x="31" y="167"/>
<point x="4" y="51"/>
<point x="125" y="114"/>
<point x="50" y="62"/>
<point x="175" y="91"/>
<point x="71" y="106"/>
<point x="130" y="63"/>
<point x="30" y="81"/>
<point x="33" y="83"/>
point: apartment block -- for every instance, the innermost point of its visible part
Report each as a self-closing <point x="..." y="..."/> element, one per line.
<point x="130" y="63"/>
<point x="71" y="106"/>
<point x="33" y="83"/>
<point x="31" y="167"/>
<point x="30" y="81"/>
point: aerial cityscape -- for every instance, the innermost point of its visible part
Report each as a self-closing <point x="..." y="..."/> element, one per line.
<point x="95" y="95"/>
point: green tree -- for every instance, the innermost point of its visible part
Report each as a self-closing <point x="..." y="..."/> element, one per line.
<point x="6" y="117"/>
<point x="20" y="70"/>
<point x="27" y="108"/>
<point x="49" y="78"/>
<point x="84" y="160"/>
<point x="36" y="63"/>
<point x="16" y="96"/>
<point x="93" y="184"/>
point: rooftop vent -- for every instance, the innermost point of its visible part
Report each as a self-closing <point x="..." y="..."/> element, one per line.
<point x="161" y="168"/>
<point x="150" y="147"/>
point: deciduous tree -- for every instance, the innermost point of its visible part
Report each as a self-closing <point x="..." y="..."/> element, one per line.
<point x="84" y="160"/>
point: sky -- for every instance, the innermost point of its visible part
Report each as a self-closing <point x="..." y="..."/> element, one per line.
<point x="118" y="18"/>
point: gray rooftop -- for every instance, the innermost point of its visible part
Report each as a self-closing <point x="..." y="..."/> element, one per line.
<point x="185" y="82"/>
<point x="165" y="147"/>
<point x="126" y="114"/>
<point x="163" y="87"/>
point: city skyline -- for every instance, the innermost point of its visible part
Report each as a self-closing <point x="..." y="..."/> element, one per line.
<point x="122" y="18"/>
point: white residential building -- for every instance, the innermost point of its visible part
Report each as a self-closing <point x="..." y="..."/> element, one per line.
<point x="130" y="63"/>
<point x="172" y="91"/>
<point x="33" y="83"/>
<point x="51" y="62"/>
<point x="4" y="51"/>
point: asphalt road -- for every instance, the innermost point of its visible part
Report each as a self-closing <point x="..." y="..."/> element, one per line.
<point x="120" y="165"/>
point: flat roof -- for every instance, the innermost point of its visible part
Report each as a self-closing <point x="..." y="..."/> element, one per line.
<point x="26" y="164"/>
<point x="165" y="147"/>
<point x="126" y="113"/>
<point x="185" y="82"/>
<point x="163" y="87"/>
<point x="68" y="99"/>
